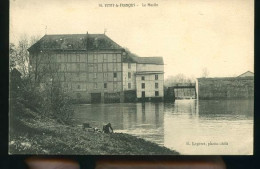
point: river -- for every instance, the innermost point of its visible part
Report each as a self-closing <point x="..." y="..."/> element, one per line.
<point x="187" y="126"/>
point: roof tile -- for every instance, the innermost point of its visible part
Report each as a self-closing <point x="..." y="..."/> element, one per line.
<point x="75" y="42"/>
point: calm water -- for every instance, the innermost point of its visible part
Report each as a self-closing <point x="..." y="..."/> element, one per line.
<point x="188" y="126"/>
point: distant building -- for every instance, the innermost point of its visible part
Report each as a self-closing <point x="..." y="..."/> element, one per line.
<point x="247" y="74"/>
<point x="93" y="68"/>
<point x="241" y="87"/>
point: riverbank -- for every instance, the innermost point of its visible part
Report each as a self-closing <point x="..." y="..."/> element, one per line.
<point x="41" y="135"/>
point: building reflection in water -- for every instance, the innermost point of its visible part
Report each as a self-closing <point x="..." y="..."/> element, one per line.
<point x="144" y="120"/>
<point x="143" y="113"/>
<point x="175" y="124"/>
<point x="149" y="124"/>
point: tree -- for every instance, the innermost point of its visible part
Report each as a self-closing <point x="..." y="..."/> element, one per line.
<point x="41" y="81"/>
<point x="205" y="72"/>
<point x="19" y="56"/>
<point x="179" y="78"/>
<point x="13" y="57"/>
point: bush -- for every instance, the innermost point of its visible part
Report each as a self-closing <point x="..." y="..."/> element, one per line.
<point x="49" y="101"/>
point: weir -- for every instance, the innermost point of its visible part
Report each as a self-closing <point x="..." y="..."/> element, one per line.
<point x="181" y="91"/>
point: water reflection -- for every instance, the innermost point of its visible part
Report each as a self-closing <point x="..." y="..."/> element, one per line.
<point x="229" y="121"/>
<point x="175" y="124"/>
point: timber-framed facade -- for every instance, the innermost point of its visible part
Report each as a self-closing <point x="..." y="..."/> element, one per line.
<point x="92" y="68"/>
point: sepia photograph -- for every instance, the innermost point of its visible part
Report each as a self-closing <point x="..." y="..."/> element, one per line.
<point x="131" y="77"/>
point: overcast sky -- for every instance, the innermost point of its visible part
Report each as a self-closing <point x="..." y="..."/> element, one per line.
<point x="188" y="34"/>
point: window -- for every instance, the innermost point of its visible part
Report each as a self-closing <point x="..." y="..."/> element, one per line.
<point x="114" y="58"/>
<point x="82" y="58"/>
<point x="105" y="85"/>
<point x="156" y="85"/>
<point x="156" y="93"/>
<point x="90" y="67"/>
<point x="100" y="58"/>
<point x="82" y="66"/>
<point x="105" y="67"/>
<point x="105" y="75"/>
<point x="95" y="75"/>
<point x="129" y="65"/>
<point x="77" y="58"/>
<point x="129" y="75"/>
<point x="115" y="75"/>
<point x="78" y="67"/>
<point x="99" y="67"/>
<point x="143" y="94"/>
<point x="129" y="85"/>
<point x="114" y="66"/>
<point x="105" y="58"/>
<point x="59" y="58"/>
<point x="156" y="77"/>
<point x="95" y="85"/>
<point x="115" y="85"/>
<point x="65" y="67"/>
<point x="95" y="58"/>
<point x="95" y="67"/>
<point x="78" y="86"/>
<point x="143" y="85"/>
<point x="64" y="58"/>
<point x="143" y="78"/>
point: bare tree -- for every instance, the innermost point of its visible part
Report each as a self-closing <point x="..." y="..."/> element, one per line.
<point x="19" y="56"/>
<point x="12" y="57"/>
<point x="179" y="78"/>
<point x="205" y="72"/>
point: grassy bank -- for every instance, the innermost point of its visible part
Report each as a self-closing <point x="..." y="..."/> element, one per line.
<point x="41" y="135"/>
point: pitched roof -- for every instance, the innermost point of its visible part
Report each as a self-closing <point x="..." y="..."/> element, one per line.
<point x="248" y="73"/>
<point x="133" y="58"/>
<point x="88" y="42"/>
<point x="75" y="42"/>
<point x="149" y="60"/>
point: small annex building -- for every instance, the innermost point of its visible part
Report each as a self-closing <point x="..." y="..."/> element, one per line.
<point x="240" y="87"/>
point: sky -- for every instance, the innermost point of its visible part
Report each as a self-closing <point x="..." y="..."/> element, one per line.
<point x="190" y="35"/>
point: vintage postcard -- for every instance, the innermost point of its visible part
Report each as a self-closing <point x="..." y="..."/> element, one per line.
<point x="131" y="77"/>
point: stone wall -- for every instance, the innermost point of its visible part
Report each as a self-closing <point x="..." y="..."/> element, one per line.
<point x="226" y="88"/>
